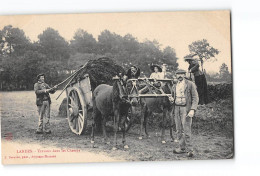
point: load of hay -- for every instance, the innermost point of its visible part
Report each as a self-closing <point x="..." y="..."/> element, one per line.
<point x="101" y="71"/>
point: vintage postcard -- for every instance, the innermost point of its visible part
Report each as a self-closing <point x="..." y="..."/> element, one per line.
<point x="116" y="87"/>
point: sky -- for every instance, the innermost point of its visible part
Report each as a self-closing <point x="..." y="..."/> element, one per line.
<point x="174" y="29"/>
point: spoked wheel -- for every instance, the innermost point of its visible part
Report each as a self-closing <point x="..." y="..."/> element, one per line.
<point x="77" y="111"/>
<point x="129" y="120"/>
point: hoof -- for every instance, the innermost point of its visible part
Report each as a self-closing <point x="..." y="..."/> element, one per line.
<point x="114" y="148"/>
<point x="190" y="154"/>
<point x="176" y="140"/>
<point x="140" y="138"/>
<point x="163" y="142"/>
<point x="92" y="144"/>
<point x="126" y="147"/>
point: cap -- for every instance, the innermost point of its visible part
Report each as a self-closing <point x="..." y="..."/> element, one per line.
<point x="180" y="71"/>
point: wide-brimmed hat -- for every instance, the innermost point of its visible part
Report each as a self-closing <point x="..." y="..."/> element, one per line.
<point x="180" y="71"/>
<point x="41" y="74"/>
<point x="189" y="58"/>
<point x="155" y="65"/>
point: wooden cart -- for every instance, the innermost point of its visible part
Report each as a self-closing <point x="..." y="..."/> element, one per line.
<point x="79" y="103"/>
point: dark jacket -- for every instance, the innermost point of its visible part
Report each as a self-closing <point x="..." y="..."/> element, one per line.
<point x="191" y="95"/>
<point x="41" y="95"/>
<point x="131" y="75"/>
<point x="195" y="68"/>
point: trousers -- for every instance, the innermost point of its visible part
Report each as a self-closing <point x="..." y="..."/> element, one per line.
<point x="44" y="110"/>
<point x="183" y="127"/>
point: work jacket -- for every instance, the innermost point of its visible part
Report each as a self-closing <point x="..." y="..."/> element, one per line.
<point x="41" y="94"/>
<point x="191" y="95"/>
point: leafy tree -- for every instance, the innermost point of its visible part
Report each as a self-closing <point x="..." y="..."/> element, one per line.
<point x="13" y="41"/>
<point x="109" y="42"/>
<point x="170" y="58"/>
<point x="130" y="44"/>
<point x="83" y="42"/>
<point x="224" y="73"/>
<point x="203" y="50"/>
<point x="54" y="46"/>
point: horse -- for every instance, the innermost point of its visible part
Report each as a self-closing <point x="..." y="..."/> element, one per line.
<point x="111" y="100"/>
<point x="163" y="105"/>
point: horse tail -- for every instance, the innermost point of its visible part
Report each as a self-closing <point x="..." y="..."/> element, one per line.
<point x="116" y="93"/>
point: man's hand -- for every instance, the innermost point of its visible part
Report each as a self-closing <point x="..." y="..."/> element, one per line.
<point x="47" y="90"/>
<point x="171" y="99"/>
<point x="191" y="113"/>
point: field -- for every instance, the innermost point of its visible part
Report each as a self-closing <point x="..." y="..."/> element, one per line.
<point x="212" y="131"/>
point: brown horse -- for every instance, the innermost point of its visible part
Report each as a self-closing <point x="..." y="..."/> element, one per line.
<point x="111" y="100"/>
<point x="157" y="105"/>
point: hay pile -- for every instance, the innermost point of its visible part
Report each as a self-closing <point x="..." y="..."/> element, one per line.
<point x="101" y="71"/>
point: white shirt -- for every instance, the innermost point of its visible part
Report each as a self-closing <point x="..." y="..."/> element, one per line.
<point x="158" y="75"/>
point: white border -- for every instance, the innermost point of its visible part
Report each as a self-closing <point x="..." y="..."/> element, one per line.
<point x="246" y="62"/>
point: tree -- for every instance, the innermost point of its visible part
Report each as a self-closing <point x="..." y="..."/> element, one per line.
<point x="224" y="73"/>
<point x="203" y="50"/>
<point x="54" y="46"/>
<point x="170" y="58"/>
<point x="13" y="41"/>
<point x="109" y="42"/>
<point x="83" y="42"/>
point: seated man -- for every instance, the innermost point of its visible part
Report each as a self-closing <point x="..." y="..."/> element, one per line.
<point x="133" y="72"/>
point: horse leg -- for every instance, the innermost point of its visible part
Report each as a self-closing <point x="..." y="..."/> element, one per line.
<point x="143" y="111"/>
<point x="146" y="115"/>
<point x="163" y="125"/>
<point x="116" y="123"/>
<point x="92" y="134"/>
<point x="124" y="131"/>
<point x="104" y="129"/>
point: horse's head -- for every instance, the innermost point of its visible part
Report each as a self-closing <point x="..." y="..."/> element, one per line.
<point x="119" y="89"/>
<point x="132" y="89"/>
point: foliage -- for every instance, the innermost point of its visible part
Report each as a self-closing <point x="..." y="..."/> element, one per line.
<point x="223" y="76"/>
<point x="83" y="42"/>
<point x="203" y="50"/>
<point x="13" y="41"/>
<point x="53" y="45"/>
<point x="21" y="60"/>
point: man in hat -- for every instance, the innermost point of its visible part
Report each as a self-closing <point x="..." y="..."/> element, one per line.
<point x="157" y="72"/>
<point x="43" y="102"/>
<point x="185" y="104"/>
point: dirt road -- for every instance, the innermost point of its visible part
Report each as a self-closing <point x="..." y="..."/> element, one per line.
<point x="19" y="118"/>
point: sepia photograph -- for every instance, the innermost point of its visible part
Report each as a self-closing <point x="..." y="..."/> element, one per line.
<point x="116" y="87"/>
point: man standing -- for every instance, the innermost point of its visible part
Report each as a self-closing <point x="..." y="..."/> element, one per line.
<point x="43" y="102"/>
<point x="185" y="104"/>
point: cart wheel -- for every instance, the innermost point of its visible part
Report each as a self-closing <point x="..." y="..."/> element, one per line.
<point x="129" y="120"/>
<point x="76" y="111"/>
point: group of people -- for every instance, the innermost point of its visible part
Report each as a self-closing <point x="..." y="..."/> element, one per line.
<point x="186" y="97"/>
